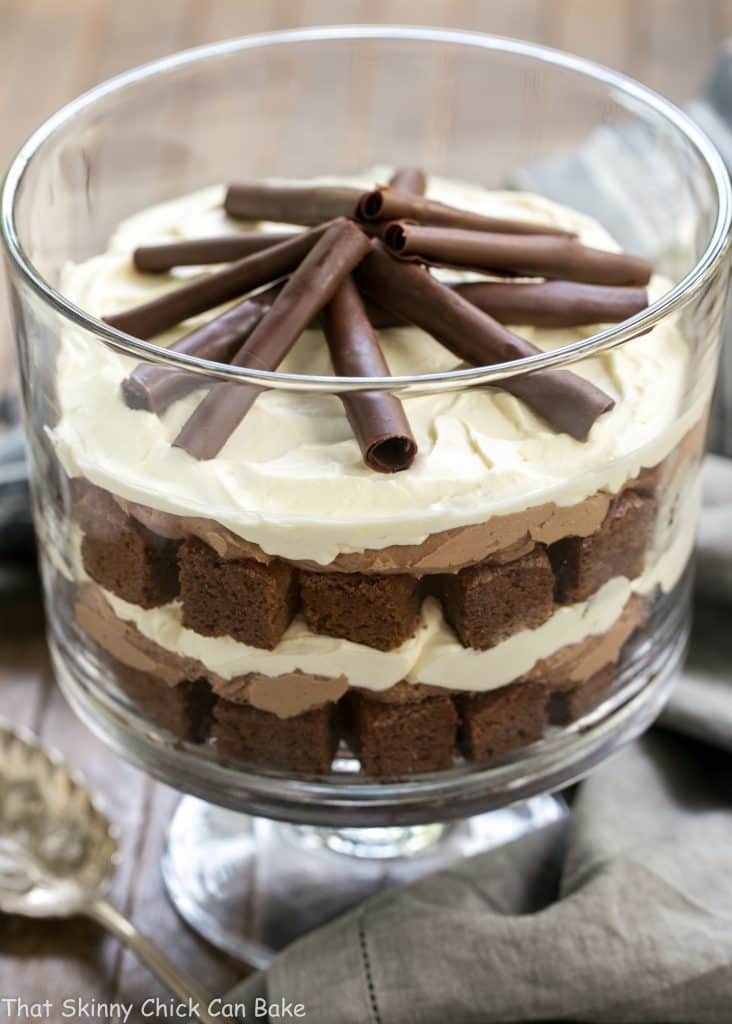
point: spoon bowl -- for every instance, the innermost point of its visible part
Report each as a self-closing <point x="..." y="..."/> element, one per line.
<point x="58" y="850"/>
<point x="58" y="853"/>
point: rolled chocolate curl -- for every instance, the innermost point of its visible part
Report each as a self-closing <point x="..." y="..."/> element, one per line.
<point x="550" y="304"/>
<point x="376" y="417"/>
<point x="154" y="387"/>
<point x="568" y="402"/>
<point x="554" y="303"/>
<point x="206" y="293"/>
<point x="387" y="204"/>
<point x="382" y="319"/>
<point x="310" y="288"/>
<point x="291" y="204"/>
<point x="194" y="252"/>
<point x="409" y="179"/>
<point x="540" y="255"/>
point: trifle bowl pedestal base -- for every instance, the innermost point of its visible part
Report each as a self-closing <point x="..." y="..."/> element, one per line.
<point x="252" y="886"/>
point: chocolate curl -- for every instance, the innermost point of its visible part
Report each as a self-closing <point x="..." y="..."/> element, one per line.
<point x="310" y="288"/>
<point x="291" y="204"/>
<point x="568" y="402"/>
<point x="377" y="418"/>
<point x="382" y="319"/>
<point x="564" y="258"/>
<point x="157" y="259"/>
<point x="544" y="304"/>
<point x="409" y="179"/>
<point x="207" y="292"/>
<point x="387" y="204"/>
<point x="154" y="388"/>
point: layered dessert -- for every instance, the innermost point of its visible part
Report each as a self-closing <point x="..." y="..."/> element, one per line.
<point x="291" y="576"/>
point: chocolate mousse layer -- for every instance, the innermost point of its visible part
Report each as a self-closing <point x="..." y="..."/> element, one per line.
<point x="442" y="552"/>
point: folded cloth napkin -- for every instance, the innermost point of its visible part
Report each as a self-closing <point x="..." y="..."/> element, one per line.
<point x="623" y="915"/>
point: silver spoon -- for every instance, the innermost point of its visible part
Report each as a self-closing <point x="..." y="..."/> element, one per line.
<point x="58" y="853"/>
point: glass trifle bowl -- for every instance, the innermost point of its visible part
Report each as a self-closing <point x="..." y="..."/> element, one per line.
<point x="366" y="620"/>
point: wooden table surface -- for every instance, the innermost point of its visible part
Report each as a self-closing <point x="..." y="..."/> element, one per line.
<point x="51" y="50"/>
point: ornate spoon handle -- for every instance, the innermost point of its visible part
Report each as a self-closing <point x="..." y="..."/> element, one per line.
<point x="185" y="989"/>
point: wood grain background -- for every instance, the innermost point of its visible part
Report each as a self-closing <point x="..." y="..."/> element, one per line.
<point x="51" y="50"/>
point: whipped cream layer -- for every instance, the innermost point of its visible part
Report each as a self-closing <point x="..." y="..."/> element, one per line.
<point x="291" y="478"/>
<point x="434" y="655"/>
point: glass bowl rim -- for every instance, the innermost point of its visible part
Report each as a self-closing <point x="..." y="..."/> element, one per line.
<point x="669" y="303"/>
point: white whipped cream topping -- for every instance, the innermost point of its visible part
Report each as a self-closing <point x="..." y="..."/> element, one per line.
<point x="291" y="478"/>
<point x="434" y="654"/>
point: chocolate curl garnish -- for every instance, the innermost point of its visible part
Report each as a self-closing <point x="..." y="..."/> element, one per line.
<point x="154" y="388"/>
<point x="222" y="286"/>
<point x="157" y="259"/>
<point x="409" y="179"/>
<point x="382" y="319"/>
<point x="541" y="255"/>
<point x="376" y="417"/>
<point x="387" y="204"/>
<point x="310" y="288"/>
<point x="291" y="204"/>
<point x="544" y="304"/>
<point x="568" y="402"/>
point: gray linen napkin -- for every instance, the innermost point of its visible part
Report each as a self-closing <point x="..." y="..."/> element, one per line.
<point x="624" y="915"/>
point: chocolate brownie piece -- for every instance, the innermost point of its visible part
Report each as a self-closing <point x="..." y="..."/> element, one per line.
<point x="618" y="548"/>
<point x="304" y="743"/>
<point x="378" y="611"/>
<point x="124" y="556"/>
<point x="567" y="705"/>
<point x="488" y="602"/>
<point x="495" y="723"/>
<point x="401" y="739"/>
<point x="647" y="481"/>
<point x="185" y="709"/>
<point x="251" y="602"/>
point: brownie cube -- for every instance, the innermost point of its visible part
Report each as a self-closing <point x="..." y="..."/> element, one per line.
<point x="495" y="723"/>
<point x="618" y="548"/>
<point x="401" y="739"/>
<point x="185" y="709"/>
<point x="124" y="556"/>
<point x="488" y="602"/>
<point x="568" y="704"/>
<point x="252" y="602"/>
<point x="647" y="481"/>
<point x="378" y="611"/>
<point x="304" y="743"/>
